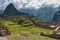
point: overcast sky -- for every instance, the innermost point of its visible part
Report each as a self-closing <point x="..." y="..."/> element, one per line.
<point x="29" y="3"/>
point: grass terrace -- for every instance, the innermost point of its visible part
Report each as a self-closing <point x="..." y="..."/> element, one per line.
<point x="31" y="31"/>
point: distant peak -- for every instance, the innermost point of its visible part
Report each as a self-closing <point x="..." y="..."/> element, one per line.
<point x="10" y="4"/>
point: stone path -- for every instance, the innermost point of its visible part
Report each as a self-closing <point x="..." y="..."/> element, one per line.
<point x="3" y="38"/>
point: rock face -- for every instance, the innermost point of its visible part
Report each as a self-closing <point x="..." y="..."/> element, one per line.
<point x="57" y="17"/>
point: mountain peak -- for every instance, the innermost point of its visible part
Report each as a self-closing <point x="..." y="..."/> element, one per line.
<point x="11" y="10"/>
<point x="10" y="5"/>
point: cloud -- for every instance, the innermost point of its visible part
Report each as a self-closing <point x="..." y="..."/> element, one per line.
<point x="3" y="4"/>
<point x="29" y="3"/>
<point x="35" y="3"/>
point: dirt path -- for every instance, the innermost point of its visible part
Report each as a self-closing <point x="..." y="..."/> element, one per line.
<point x="29" y="37"/>
<point x="18" y="37"/>
<point x="15" y="37"/>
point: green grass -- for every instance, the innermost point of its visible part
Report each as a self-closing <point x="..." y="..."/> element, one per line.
<point x="24" y="31"/>
<point x="8" y="22"/>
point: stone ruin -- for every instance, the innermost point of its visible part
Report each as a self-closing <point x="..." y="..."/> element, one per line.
<point x="4" y="31"/>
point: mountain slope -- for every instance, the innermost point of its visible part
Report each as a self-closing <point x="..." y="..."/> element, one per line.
<point x="57" y="17"/>
<point x="11" y="10"/>
<point x="1" y="11"/>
